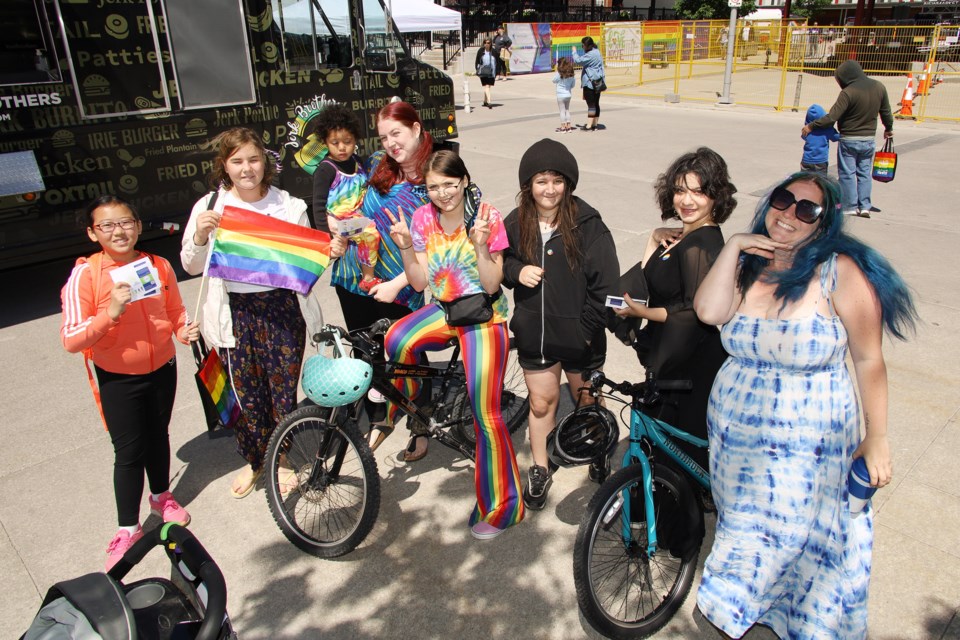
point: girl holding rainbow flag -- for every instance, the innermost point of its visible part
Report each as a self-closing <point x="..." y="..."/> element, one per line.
<point x="455" y="245"/>
<point x="262" y="327"/>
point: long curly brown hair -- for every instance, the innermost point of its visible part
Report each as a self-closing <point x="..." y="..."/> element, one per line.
<point x="566" y="224"/>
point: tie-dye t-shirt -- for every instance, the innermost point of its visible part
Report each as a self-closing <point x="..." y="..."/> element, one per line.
<point x="405" y="197"/>
<point x="451" y="259"/>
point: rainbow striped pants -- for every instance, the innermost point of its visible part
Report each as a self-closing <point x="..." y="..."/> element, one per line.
<point x="484" y="349"/>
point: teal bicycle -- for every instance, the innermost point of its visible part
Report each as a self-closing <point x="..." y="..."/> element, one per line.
<point x="638" y="543"/>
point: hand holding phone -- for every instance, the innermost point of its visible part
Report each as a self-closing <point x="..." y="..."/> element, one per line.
<point x="616" y="302"/>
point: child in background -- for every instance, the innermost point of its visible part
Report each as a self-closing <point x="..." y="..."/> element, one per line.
<point x="816" y="146"/>
<point x="133" y="355"/>
<point x="565" y="82"/>
<point x="340" y="183"/>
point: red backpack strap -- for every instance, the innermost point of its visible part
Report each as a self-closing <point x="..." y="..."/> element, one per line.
<point x="96" y="265"/>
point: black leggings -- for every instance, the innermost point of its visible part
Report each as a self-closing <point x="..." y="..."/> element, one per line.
<point x="137" y="410"/>
<point x="592" y="98"/>
<point x="361" y="311"/>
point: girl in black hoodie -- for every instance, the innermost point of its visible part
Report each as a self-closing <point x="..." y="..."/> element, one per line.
<point x="561" y="263"/>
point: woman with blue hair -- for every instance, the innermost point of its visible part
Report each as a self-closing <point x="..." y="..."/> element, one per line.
<point x="784" y="423"/>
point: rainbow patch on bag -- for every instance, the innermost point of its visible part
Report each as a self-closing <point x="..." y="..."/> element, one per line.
<point x="884" y="166"/>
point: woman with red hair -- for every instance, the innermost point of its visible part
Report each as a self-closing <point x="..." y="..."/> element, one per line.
<point x="395" y="188"/>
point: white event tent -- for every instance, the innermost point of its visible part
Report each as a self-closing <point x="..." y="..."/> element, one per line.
<point x="410" y="16"/>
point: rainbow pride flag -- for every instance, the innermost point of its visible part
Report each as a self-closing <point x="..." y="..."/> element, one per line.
<point x="257" y="249"/>
<point x="214" y="379"/>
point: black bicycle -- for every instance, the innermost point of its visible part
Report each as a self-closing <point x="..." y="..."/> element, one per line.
<point x="323" y="487"/>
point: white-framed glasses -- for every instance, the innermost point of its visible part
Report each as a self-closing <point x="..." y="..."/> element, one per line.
<point x="444" y="189"/>
<point x="109" y="225"/>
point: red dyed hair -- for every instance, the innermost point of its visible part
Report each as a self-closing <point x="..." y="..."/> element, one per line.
<point x="389" y="172"/>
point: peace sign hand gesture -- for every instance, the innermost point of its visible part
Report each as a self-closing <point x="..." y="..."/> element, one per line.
<point x="480" y="232"/>
<point x="399" y="230"/>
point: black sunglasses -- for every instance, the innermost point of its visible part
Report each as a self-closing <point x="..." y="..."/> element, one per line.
<point x="806" y="211"/>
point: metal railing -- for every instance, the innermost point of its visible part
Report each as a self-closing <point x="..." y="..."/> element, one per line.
<point x="783" y="66"/>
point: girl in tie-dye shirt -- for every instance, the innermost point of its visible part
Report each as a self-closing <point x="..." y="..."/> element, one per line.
<point x="454" y="245"/>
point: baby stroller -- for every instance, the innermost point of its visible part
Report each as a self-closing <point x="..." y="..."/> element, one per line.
<point x="99" y="605"/>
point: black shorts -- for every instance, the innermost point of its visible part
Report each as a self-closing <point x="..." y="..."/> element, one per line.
<point x="592" y="361"/>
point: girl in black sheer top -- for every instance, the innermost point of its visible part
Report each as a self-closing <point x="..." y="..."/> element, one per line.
<point x="696" y="190"/>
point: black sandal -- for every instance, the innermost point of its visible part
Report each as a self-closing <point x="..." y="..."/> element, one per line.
<point x="410" y="454"/>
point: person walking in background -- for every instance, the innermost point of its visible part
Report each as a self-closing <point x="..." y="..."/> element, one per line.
<point x="131" y="346"/>
<point x="486" y="65"/>
<point x="501" y="47"/>
<point x="261" y="329"/>
<point x="793" y="296"/>
<point x="816" y="145"/>
<point x="696" y="190"/>
<point x="454" y="246"/>
<point x="590" y="80"/>
<point x="565" y="82"/>
<point x="855" y="112"/>
<point x="561" y="264"/>
<point x="722" y="41"/>
<point x="339" y="184"/>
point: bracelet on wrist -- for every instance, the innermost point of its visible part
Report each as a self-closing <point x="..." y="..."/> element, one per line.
<point x="409" y="246"/>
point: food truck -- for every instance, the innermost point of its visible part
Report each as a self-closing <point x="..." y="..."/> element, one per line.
<point x="123" y="96"/>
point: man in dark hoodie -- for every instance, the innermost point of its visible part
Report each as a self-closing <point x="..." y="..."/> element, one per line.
<point x="855" y="112"/>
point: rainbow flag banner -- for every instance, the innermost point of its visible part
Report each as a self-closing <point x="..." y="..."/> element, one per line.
<point x="214" y="379"/>
<point x="257" y="249"/>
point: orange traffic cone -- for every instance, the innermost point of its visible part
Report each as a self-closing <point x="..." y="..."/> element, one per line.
<point x="923" y="88"/>
<point x="906" y="102"/>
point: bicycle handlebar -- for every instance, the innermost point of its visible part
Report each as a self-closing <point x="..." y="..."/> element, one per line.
<point x="330" y="332"/>
<point x="646" y="392"/>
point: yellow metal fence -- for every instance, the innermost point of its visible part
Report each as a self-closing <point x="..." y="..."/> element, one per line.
<point x="783" y="66"/>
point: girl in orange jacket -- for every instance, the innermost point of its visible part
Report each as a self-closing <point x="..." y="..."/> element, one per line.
<point x="131" y="346"/>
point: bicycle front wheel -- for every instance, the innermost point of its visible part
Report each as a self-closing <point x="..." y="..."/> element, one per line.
<point x="322" y="483"/>
<point x="514" y="404"/>
<point x="623" y="591"/>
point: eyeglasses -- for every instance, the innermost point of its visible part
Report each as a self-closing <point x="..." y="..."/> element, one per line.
<point x="806" y="211"/>
<point x="444" y="189"/>
<point x="107" y="227"/>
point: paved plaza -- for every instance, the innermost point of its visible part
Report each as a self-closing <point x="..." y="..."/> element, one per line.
<point x="420" y="574"/>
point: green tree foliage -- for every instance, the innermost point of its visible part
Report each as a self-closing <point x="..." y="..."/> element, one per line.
<point x="712" y="9"/>
<point x="807" y="8"/>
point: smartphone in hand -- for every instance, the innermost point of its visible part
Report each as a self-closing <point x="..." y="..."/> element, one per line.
<point x="617" y="302"/>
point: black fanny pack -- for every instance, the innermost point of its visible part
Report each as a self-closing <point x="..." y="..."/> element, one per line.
<point x="473" y="309"/>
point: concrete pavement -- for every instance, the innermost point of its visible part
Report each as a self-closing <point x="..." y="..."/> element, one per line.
<point x="420" y="574"/>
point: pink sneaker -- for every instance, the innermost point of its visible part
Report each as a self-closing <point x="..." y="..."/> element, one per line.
<point x="119" y="545"/>
<point x="169" y="509"/>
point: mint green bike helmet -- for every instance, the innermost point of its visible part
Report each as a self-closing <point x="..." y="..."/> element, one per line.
<point x="338" y="380"/>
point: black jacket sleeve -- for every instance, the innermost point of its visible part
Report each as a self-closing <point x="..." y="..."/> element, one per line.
<point x="602" y="270"/>
<point x="322" y="180"/>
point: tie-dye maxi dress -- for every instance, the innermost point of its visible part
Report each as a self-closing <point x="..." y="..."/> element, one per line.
<point x="783" y="424"/>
